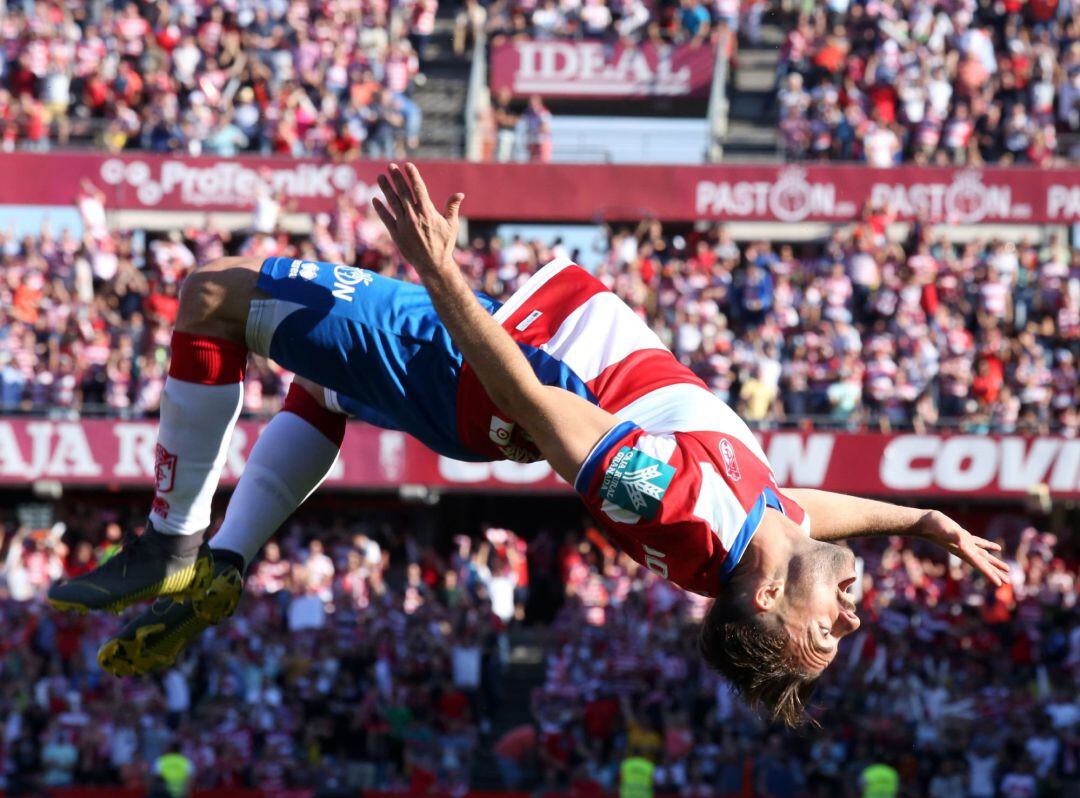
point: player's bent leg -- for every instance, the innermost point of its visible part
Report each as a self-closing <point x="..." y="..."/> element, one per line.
<point x="199" y="407"/>
<point x="293" y="455"/>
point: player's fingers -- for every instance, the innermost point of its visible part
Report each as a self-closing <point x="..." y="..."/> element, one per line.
<point x="989" y="545"/>
<point x="985" y="553"/>
<point x="986" y="560"/>
<point x="392" y="198"/>
<point x="384" y="214"/>
<point x="402" y="186"/>
<point x="453" y="207"/>
<point x="418" y="185"/>
<point x="992" y="570"/>
<point x="979" y="565"/>
<point x="973" y="558"/>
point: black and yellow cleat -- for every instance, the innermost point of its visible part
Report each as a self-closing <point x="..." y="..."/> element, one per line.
<point x="147" y="567"/>
<point x="155" y="638"/>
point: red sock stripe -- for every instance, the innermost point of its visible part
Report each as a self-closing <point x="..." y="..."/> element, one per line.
<point x="207" y="361"/>
<point x="299" y="402"/>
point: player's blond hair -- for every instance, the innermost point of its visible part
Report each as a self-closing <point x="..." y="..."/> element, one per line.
<point x="752" y="651"/>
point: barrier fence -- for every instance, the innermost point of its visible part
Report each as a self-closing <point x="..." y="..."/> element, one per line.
<point x="121" y="792"/>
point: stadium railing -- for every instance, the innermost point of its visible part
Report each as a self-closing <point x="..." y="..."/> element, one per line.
<point x="477" y="100"/>
<point x="718" y="102"/>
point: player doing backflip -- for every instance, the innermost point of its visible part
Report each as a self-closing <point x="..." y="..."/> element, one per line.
<point x="564" y="371"/>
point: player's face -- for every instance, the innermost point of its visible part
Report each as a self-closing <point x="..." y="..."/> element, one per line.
<point x="818" y="609"/>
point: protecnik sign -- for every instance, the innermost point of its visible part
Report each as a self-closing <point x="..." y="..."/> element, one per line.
<point x="560" y="192"/>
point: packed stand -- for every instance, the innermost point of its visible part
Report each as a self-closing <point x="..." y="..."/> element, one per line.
<point x="956" y="83"/>
<point x="323" y="79"/>
<point x="691" y="22"/>
<point x="859" y="331"/>
<point x="364" y="657"/>
<point x="960" y="690"/>
<point x="360" y="655"/>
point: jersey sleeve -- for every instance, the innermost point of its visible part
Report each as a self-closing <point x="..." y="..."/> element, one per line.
<point x="685" y="505"/>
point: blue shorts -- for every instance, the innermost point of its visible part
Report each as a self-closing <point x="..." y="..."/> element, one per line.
<point x="376" y="344"/>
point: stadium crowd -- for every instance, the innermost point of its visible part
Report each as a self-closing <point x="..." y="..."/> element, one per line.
<point x="962" y="690"/>
<point x="962" y="83"/>
<point x="686" y="21"/>
<point x="863" y="330"/>
<point x="331" y="79"/>
<point x="365" y="656"/>
<point x="360" y="654"/>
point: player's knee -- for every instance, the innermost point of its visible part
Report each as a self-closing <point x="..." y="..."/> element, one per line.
<point x="313" y="389"/>
<point x="307" y="400"/>
<point x="214" y="298"/>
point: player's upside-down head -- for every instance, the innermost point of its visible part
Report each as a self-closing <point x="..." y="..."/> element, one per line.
<point x="776" y="623"/>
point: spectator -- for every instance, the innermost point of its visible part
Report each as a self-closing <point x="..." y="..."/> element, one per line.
<point x="1020" y="782"/>
<point x="506" y="122"/>
<point x="879" y="780"/>
<point x="778" y="774"/>
<point x="512" y="754"/>
<point x="386" y="126"/>
<point x="176" y="770"/>
<point x="694" y="20"/>
<point x="636" y="774"/>
<point x="537" y="122"/>
<point x="758" y="397"/>
<point x="982" y="764"/>
<point x="58" y="758"/>
<point x="947" y="781"/>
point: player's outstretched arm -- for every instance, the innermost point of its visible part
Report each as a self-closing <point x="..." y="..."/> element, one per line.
<point x="565" y="427"/>
<point x="836" y="516"/>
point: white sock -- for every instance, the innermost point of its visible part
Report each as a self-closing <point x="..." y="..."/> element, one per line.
<point x="289" y="461"/>
<point x="196" y="426"/>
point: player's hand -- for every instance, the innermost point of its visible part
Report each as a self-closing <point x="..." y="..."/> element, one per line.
<point x="424" y="234"/>
<point x="977" y="552"/>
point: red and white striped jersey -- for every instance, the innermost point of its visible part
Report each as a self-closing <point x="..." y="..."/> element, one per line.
<point x="681" y="483"/>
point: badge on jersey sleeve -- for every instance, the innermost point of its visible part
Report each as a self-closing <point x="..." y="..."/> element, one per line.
<point x="636" y="482"/>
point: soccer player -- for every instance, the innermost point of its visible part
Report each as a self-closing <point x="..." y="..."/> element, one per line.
<point x="563" y="371"/>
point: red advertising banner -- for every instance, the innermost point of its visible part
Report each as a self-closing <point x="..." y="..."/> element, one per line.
<point x="126" y="792"/>
<point x="561" y="192"/>
<point x="121" y="454"/>
<point x="595" y="69"/>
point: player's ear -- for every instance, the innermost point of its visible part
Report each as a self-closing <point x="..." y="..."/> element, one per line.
<point x="767" y="594"/>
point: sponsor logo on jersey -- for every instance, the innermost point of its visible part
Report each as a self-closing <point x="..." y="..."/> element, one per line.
<point x="636" y="482"/>
<point x="525" y="323"/>
<point x="303" y="269"/>
<point x="502" y="433"/>
<point x="731" y="465"/>
<point x="346" y="278"/>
